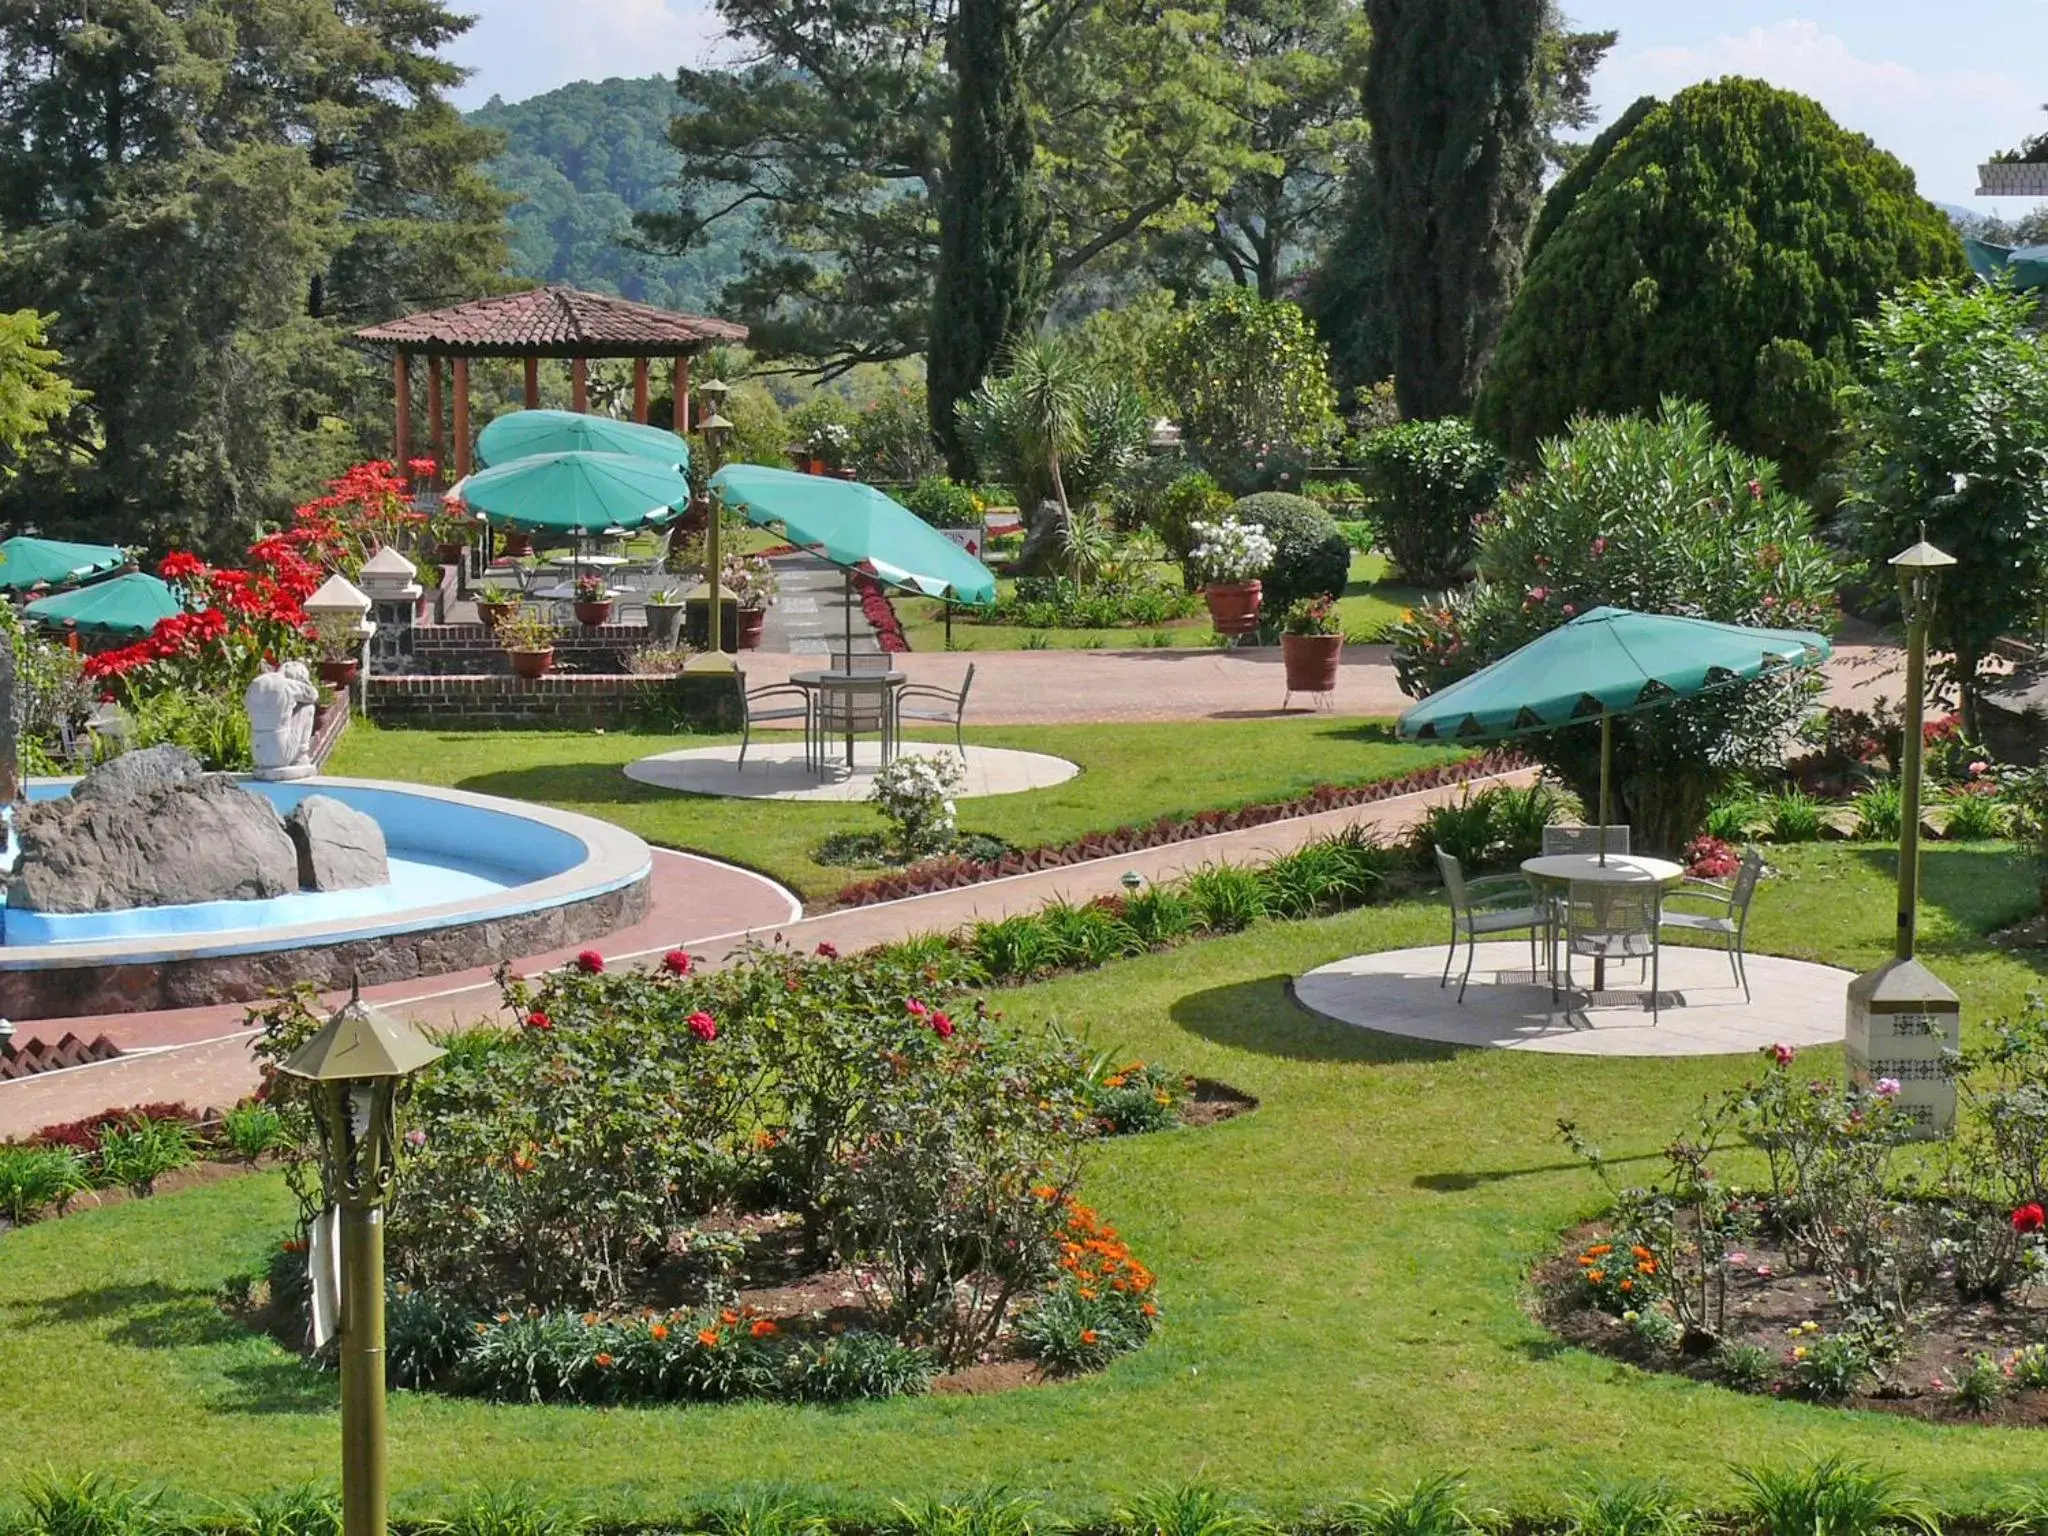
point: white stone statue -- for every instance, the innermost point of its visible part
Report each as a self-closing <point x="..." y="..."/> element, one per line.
<point x="280" y="706"/>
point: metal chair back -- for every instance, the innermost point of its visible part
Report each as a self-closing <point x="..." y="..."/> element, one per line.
<point x="1573" y="839"/>
<point x="1746" y="878"/>
<point x="862" y="661"/>
<point x="852" y="709"/>
<point x="1454" y="880"/>
<point x="1612" y="920"/>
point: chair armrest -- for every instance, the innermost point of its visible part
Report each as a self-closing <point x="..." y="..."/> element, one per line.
<point x="929" y="691"/>
<point x="1494" y="888"/>
<point x="777" y="690"/>
<point x="1694" y="889"/>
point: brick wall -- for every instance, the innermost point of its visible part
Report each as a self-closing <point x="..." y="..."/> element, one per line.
<point x="577" y="701"/>
<point x="468" y="650"/>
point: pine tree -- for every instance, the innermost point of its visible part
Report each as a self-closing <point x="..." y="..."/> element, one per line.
<point x="1453" y="98"/>
<point x="986" y="290"/>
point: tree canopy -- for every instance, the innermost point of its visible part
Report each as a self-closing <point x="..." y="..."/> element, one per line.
<point x="1722" y="252"/>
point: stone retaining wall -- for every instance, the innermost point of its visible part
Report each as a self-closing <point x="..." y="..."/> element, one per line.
<point x="578" y="701"/>
<point x="73" y="991"/>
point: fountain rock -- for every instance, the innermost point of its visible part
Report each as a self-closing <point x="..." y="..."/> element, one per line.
<point x="142" y="771"/>
<point x="134" y="841"/>
<point x="339" y="848"/>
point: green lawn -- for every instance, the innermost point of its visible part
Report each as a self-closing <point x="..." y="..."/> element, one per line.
<point x="1129" y="773"/>
<point x="1342" y="1272"/>
<point x="1368" y="605"/>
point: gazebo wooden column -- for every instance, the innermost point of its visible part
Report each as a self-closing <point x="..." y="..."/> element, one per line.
<point x="640" y="390"/>
<point x="460" y="367"/>
<point x="579" y="385"/>
<point x="533" y="383"/>
<point x="401" y="400"/>
<point x="436" y="439"/>
<point x="682" y="388"/>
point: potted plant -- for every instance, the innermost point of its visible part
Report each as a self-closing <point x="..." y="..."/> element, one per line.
<point x="664" y="615"/>
<point x="828" y="440"/>
<point x="751" y="579"/>
<point x="529" y="640"/>
<point x="515" y="545"/>
<point x="1311" y="643"/>
<point x="494" y="605"/>
<point x="593" y="599"/>
<point x="1228" y="558"/>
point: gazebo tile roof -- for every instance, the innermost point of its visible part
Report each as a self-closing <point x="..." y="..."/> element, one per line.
<point x="554" y="321"/>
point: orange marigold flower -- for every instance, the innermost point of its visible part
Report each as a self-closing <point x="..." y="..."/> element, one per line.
<point x="604" y="1359"/>
<point x="1628" y="1285"/>
<point x="657" y="1331"/>
<point x="1086" y="1294"/>
<point x="707" y="1337"/>
<point x="1089" y="1335"/>
<point x="1641" y="1252"/>
<point x="1150" y="1309"/>
<point x="1647" y="1267"/>
<point x="762" y="1328"/>
<point x="1598" y="1250"/>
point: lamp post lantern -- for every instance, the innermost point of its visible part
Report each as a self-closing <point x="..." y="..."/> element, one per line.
<point x="1905" y="1024"/>
<point x="717" y="433"/>
<point x="353" y="1066"/>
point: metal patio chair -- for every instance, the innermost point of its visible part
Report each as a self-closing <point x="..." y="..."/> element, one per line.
<point x="1730" y="923"/>
<point x="1482" y="907"/>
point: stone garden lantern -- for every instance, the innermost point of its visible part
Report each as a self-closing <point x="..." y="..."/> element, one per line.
<point x="338" y="611"/>
<point x="390" y="582"/>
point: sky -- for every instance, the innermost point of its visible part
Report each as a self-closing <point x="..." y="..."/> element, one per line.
<point x="1939" y="83"/>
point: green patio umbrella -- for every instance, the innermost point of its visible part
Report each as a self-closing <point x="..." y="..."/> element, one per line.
<point x="126" y="605"/>
<point x="522" y="434"/>
<point x="576" y="492"/>
<point x="857" y="528"/>
<point x="1605" y="662"/>
<point x="27" y="562"/>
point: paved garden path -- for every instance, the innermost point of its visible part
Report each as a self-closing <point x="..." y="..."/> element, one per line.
<point x="200" y="1056"/>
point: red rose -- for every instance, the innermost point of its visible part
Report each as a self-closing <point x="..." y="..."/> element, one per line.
<point x="2029" y="1217"/>
<point x="915" y="1009"/>
<point x="1782" y="1055"/>
<point x="676" y="962"/>
<point x="590" y="962"/>
<point x="702" y="1025"/>
<point x="827" y="950"/>
<point x="942" y="1026"/>
<point x="538" y="1020"/>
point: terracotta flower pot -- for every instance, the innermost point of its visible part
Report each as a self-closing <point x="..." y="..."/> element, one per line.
<point x="494" y="614"/>
<point x="751" y="620"/>
<point x="341" y="674"/>
<point x="593" y="614"/>
<point x="533" y="664"/>
<point x="515" y="545"/>
<point x="1311" y="662"/>
<point x="1233" y="607"/>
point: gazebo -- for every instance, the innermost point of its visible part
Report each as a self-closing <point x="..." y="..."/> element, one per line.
<point x="554" y="322"/>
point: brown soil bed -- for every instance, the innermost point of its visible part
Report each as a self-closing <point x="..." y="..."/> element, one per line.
<point x="1212" y="1102"/>
<point x="1768" y="1296"/>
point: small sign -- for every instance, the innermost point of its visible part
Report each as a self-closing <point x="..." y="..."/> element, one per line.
<point x="969" y="539"/>
<point x="323" y="1269"/>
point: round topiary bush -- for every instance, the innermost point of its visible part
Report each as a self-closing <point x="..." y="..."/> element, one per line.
<point x="1311" y="556"/>
<point x="1429" y="481"/>
<point x="1722" y="251"/>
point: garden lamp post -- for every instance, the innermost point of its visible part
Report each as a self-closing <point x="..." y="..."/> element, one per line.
<point x="1919" y="571"/>
<point x="717" y="432"/>
<point x="353" y="1066"/>
<point x="1905" y="1024"/>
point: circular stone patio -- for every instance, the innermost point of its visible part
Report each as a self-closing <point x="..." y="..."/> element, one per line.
<point x="1396" y="993"/>
<point x="775" y="771"/>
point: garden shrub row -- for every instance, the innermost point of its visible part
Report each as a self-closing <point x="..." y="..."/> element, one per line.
<point x="952" y="872"/>
<point x="1056" y="602"/>
<point x="128" y="1149"/>
<point x="1821" y="1496"/>
<point x="880" y="613"/>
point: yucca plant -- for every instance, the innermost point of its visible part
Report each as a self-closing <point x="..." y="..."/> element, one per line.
<point x="1829" y="1496"/>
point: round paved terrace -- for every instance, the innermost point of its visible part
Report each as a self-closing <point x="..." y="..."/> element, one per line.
<point x="775" y="770"/>
<point x="1397" y="992"/>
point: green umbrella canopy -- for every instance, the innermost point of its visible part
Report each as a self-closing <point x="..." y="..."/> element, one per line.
<point x="858" y="528"/>
<point x="522" y="434"/>
<point x="126" y="605"/>
<point x="575" y="492"/>
<point x="1607" y="661"/>
<point x="27" y="562"/>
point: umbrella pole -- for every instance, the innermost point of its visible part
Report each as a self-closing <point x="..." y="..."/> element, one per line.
<point x="1606" y="770"/>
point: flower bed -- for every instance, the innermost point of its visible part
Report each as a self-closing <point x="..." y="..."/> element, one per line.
<point x="950" y="873"/>
<point x="129" y="1152"/>
<point x="1845" y="1272"/>
<point x="802" y="1177"/>
<point x="876" y="608"/>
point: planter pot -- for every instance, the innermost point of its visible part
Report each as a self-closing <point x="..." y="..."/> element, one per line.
<point x="816" y="466"/>
<point x="449" y="554"/>
<point x="593" y="614"/>
<point x="663" y="621"/>
<point x="751" y="620"/>
<point x="532" y="664"/>
<point x="516" y="545"/>
<point x="1311" y="662"/>
<point x="1234" y="607"/>
<point x="494" y="614"/>
<point x="340" y="674"/>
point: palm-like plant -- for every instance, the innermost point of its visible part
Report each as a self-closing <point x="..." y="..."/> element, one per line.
<point x="1049" y="383"/>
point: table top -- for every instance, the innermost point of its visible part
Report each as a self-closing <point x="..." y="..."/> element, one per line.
<point x="594" y="562"/>
<point x="566" y="592"/>
<point x="1620" y="869"/>
<point x="830" y="679"/>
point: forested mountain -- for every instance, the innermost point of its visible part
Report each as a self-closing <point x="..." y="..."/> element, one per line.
<point x="583" y="160"/>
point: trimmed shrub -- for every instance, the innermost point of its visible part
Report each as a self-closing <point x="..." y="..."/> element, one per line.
<point x="1193" y="498"/>
<point x="1428" y="482"/>
<point x="1722" y="251"/>
<point x="1311" y="556"/>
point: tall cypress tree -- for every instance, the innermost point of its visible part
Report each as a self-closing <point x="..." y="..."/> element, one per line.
<point x="990" y="275"/>
<point x="1453" y="98"/>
